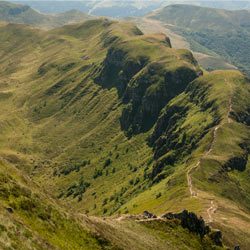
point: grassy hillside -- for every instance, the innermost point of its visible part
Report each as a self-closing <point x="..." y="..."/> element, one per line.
<point x="77" y="94"/>
<point x="30" y="219"/>
<point x="208" y="60"/>
<point x="223" y="32"/>
<point x="17" y="13"/>
<point x="107" y="121"/>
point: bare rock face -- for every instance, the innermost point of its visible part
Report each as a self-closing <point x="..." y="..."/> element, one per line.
<point x="149" y="91"/>
<point x="118" y="69"/>
<point x="149" y="215"/>
<point x="145" y="86"/>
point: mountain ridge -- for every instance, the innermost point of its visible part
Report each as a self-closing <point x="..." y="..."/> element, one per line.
<point x="65" y="129"/>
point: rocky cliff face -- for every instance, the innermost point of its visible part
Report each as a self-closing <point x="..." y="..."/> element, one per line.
<point x="175" y="135"/>
<point x="149" y="91"/>
<point x="118" y="69"/>
<point x="145" y="84"/>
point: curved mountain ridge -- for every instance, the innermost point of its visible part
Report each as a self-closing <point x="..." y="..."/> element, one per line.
<point x="18" y="13"/>
<point x="106" y="120"/>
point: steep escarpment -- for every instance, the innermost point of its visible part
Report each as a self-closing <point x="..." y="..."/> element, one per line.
<point x="147" y="77"/>
<point x="190" y="117"/>
<point x="145" y="102"/>
<point x="182" y="124"/>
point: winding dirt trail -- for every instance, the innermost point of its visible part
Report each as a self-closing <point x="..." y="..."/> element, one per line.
<point x="210" y="211"/>
<point x="193" y="193"/>
<point x="213" y="207"/>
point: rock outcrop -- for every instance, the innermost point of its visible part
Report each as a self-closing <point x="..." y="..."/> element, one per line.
<point x="196" y="225"/>
<point x="190" y="221"/>
<point x="149" y="91"/>
<point x="145" y="79"/>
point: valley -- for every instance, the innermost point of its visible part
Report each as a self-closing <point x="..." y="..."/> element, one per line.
<point x="210" y="31"/>
<point x="115" y="136"/>
<point x="207" y="61"/>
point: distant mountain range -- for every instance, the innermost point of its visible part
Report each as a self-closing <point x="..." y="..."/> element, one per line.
<point x="17" y="13"/>
<point x="226" y="33"/>
<point x="117" y="9"/>
<point x="124" y="8"/>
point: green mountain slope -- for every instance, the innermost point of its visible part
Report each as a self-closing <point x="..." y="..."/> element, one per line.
<point x="109" y="121"/>
<point x="17" y="13"/>
<point x="223" y="32"/>
<point x="30" y="219"/>
<point x="208" y="60"/>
